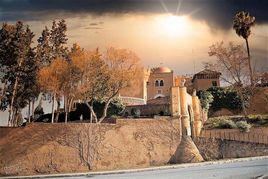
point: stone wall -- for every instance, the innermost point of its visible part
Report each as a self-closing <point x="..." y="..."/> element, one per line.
<point x="79" y="147"/>
<point x="255" y="135"/>
<point x="212" y="149"/>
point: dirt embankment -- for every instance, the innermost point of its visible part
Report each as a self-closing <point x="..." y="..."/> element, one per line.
<point x="74" y="147"/>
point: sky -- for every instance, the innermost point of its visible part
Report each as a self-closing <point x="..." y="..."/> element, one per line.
<point x="172" y="33"/>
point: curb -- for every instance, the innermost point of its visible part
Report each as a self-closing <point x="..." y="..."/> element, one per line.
<point x="175" y="166"/>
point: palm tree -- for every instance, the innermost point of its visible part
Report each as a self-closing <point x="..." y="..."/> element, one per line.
<point x="241" y="24"/>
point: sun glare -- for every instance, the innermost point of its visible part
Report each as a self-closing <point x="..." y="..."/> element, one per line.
<point x="171" y="25"/>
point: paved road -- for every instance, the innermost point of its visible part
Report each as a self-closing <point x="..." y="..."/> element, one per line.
<point x="236" y="170"/>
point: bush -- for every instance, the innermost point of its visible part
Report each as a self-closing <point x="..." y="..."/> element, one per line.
<point x="205" y="99"/>
<point x="225" y="98"/>
<point x="116" y="107"/>
<point x="135" y="112"/>
<point x="243" y="126"/>
<point x="223" y="122"/>
<point x="227" y="124"/>
<point x="258" y="119"/>
<point x="114" y="116"/>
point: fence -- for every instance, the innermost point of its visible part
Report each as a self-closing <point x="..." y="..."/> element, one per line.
<point x="236" y="136"/>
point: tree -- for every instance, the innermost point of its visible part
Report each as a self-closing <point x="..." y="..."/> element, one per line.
<point x="233" y="63"/>
<point x="58" y="39"/>
<point x="71" y="79"/>
<point x="242" y="24"/>
<point x="52" y="78"/>
<point x="51" y="45"/>
<point x="43" y="48"/>
<point x="103" y="76"/>
<point x="17" y="64"/>
<point x="206" y="99"/>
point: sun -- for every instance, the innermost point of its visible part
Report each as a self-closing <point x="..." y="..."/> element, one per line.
<point x="171" y="25"/>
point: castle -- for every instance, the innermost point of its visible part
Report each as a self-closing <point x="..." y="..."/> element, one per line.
<point x="157" y="83"/>
<point x="163" y="93"/>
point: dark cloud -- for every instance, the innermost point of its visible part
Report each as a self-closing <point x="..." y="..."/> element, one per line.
<point x="96" y="23"/>
<point x="93" y="28"/>
<point x="93" y="24"/>
<point x="217" y="13"/>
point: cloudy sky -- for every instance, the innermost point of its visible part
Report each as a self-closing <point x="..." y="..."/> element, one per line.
<point x="173" y="33"/>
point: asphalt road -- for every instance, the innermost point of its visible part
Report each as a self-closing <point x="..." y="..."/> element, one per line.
<point x="235" y="170"/>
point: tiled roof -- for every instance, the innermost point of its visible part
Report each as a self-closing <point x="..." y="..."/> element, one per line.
<point x="159" y="101"/>
<point x="206" y="72"/>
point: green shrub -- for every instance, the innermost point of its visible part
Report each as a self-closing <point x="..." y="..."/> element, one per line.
<point x="116" y="107"/>
<point x="135" y="112"/>
<point x="205" y="99"/>
<point x="222" y="122"/>
<point x="114" y="116"/>
<point x="258" y="119"/>
<point x="214" y="122"/>
<point x="225" y="98"/>
<point x="227" y="124"/>
<point x="243" y="126"/>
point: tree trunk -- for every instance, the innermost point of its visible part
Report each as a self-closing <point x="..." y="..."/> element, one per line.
<point x="69" y="108"/>
<point x="12" y="100"/>
<point x="14" y="119"/>
<point x="240" y="93"/>
<point x="52" y="117"/>
<point x="29" y="111"/>
<point x="14" y="91"/>
<point x="92" y="111"/>
<point x="249" y="65"/>
<point x="91" y="116"/>
<point x="104" y="114"/>
<point x="3" y="90"/>
<point x="66" y="108"/>
<point x="33" y="109"/>
<point x="57" y="111"/>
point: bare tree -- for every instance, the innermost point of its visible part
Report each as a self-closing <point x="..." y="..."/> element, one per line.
<point x="232" y="62"/>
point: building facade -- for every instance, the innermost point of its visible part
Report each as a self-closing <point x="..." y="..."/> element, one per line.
<point x="206" y="79"/>
<point x="159" y="83"/>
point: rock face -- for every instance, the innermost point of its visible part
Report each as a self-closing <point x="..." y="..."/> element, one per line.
<point x="186" y="152"/>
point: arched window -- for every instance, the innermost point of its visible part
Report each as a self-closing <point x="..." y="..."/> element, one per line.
<point x="161" y="83"/>
<point x="156" y="83"/>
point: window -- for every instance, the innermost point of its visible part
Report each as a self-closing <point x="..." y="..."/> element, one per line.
<point x="159" y="91"/>
<point x="214" y="83"/>
<point x="156" y="83"/>
<point x="147" y="83"/>
<point x="161" y="83"/>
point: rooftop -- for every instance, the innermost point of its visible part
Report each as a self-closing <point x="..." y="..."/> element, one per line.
<point x="207" y="72"/>
<point x="161" y="70"/>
